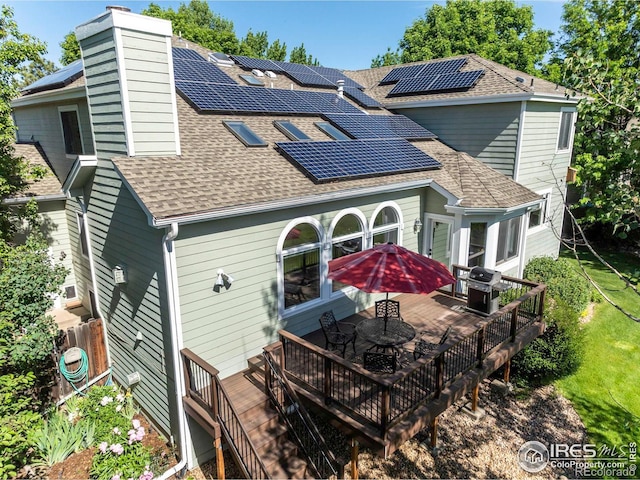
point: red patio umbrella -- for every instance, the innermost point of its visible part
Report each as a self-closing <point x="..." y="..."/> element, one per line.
<point x="390" y="268"/>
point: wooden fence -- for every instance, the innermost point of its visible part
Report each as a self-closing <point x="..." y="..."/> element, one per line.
<point x="89" y="337"/>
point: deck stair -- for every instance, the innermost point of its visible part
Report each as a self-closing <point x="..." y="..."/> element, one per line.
<point x="269" y="436"/>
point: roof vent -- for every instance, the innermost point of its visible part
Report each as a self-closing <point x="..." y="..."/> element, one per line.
<point x="118" y="7"/>
<point x="257" y="73"/>
<point x="520" y="79"/>
<point x="221" y="59"/>
<point x="269" y="74"/>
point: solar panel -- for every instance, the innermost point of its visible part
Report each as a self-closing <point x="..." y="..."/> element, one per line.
<point x="361" y="98"/>
<point x="402" y="72"/>
<point x="455" y="81"/>
<point x="328" y="161"/>
<point x="412" y="85"/>
<point x="186" y="54"/>
<point x="295" y="67"/>
<point x="380" y="126"/>
<point x="259" y="63"/>
<point x="58" y="79"/>
<point x="310" y="79"/>
<point x="441" y="68"/>
<point x="192" y="71"/>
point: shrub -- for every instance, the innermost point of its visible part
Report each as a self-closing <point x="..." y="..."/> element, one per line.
<point x="556" y="353"/>
<point x="107" y="408"/>
<point x="60" y="437"/>
<point x="562" y="280"/>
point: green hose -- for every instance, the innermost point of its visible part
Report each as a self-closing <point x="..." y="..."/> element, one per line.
<point x="76" y="376"/>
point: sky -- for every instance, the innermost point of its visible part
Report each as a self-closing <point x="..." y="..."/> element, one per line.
<point x="340" y="34"/>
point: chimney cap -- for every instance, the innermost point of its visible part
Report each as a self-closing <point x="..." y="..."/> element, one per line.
<point x="118" y="7"/>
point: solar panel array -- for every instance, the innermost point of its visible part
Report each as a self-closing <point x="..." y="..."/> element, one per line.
<point x="436" y="83"/>
<point x="58" y="79"/>
<point x="431" y="77"/>
<point x="208" y="88"/>
<point x="380" y="126"/>
<point x="330" y="161"/>
<point x="306" y="75"/>
<point x="361" y="98"/>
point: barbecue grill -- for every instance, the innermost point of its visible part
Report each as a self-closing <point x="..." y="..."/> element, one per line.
<point x="483" y="290"/>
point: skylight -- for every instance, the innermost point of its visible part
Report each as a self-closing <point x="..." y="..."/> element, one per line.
<point x="251" y="80"/>
<point x="290" y="130"/>
<point x="244" y="133"/>
<point x="332" y="131"/>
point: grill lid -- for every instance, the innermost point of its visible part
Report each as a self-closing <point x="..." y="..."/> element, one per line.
<point x="484" y="275"/>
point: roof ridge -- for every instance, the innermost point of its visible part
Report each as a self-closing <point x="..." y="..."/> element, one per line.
<point x="491" y="65"/>
<point x="486" y="184"/>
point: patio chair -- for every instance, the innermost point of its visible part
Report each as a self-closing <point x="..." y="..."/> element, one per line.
<point x="337" y="334"/>
<point x="380" y="362"/>
<point x="388" y="309"/>
<point x="423" y="347"/>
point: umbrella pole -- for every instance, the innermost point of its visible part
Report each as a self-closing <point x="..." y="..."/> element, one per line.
<point x="386" y="314"/>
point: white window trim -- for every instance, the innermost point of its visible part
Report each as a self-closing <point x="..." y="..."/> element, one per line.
<point x="81" y="220"/>
<point x="322" y="245"/>
<point x="330" y="240"/>
<point x="399" y="225"/>
<point x="571" y="129"/>
<point x="71" y="108"/>
<point x="430" y="218"/>
<point x="516" y="257"/>
<point x="547" y="192"/>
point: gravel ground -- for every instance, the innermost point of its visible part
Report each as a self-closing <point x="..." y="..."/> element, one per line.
<point x="467" y="448"/>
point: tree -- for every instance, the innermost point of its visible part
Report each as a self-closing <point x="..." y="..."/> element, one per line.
<point x="254" y="44"/>
<point x="70" y="49"/>
<point x="495" y="29"/>
<point x="299" y="55"/>
<point x="598" y="58"/>
<point x="197" y="23"/>
<point x="389" y="58"/>
<point x="277" y="51"/>
<point x="35" y="70"/>
<point x="16" y="50"/>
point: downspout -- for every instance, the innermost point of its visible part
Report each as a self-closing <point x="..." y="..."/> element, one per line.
<point x="170" y="272"/>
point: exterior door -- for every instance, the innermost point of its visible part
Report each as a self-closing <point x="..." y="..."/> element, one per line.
<point x="440" y="240"/>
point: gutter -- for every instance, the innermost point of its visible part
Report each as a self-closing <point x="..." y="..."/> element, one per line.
<point x="287" y="203"/>
<point x="39" y="198"/>
<point x="50" y="96"/>
<point x="170" y="270"/>
<point x="492" y="211"/>
<point x="502" y="98"/>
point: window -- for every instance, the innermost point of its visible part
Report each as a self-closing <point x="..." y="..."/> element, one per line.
<point x="386" y="226"/>
<point x="290" y="130"/>
<point x="347" y="238"/>
<point x="540" y="215"/>
<point x="332" y="131"/>
<point x="82" y="231"/>
<point x="477" y="244"/>
<point x="508" y="239"/>
<point x="244" y="134"/>
<point x="565" y="131"/>
<point x="71" y="130"/>
<point x="301" y="265"/>
<point x="251" y="80"/>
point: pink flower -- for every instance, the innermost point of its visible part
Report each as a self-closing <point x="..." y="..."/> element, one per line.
<point x="146" y="475"/>
<point x="103" y="447"/>
<point x="136" y="423"/>
<point x="140" y="433"/>
<point x="117" y="449"/>
<point x="116" y="430"/>
<point x="116" y="477"/>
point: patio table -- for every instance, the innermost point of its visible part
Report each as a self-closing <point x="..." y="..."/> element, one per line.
<point x="391" y="333"/>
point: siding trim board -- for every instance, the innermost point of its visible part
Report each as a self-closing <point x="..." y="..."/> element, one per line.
<point x="516" y="166"/>
<point x="174" y="100"/>
<point x="481" y="100"/>
<point x="124" y="92"/>
<point x="51" y="96"/>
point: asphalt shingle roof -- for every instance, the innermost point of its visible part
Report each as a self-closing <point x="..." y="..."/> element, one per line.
<point x="49" y="185"/>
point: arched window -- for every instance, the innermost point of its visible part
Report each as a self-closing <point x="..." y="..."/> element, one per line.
<point x="347" y="237"/>
<point x="386" y="226"/>
<point x="301" y="256"/>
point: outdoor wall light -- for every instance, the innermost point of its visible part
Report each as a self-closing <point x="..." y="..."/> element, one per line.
<point x="417" y="226"/>
<point x="222" y="280"/>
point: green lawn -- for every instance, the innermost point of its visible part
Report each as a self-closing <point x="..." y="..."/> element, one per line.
<point x="606" y="389"/>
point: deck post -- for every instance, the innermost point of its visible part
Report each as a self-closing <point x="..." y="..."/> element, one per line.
<point x="355" y="450"/>
<point x="514" y="323"/>
<point x="327" y="380"/>
<point x="219" y="459"/>
<point x="507" y="371"/>
<point x="541" y="305"/>
<point x="386" y="410"/>
<point x="433" y="430"/>
<point x="187" y="374"/>
<point x="480" y="349"/>
<point x="474" y="397"/>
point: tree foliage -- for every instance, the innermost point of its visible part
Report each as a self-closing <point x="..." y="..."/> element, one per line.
<point x="17" y="51"/>
<point x="389" y="58"/>
<point x="598" y="54"/>
<point x="499" y="30"/>
<point x="299" y="55"/>
<point x="70" y="49"/>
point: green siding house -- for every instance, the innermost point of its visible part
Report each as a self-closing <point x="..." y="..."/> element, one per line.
<point x="176" y="188"/>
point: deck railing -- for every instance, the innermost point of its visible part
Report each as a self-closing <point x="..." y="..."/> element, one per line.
<point x="383" y="401"/>
<point x="302" y="429"/>
<point x="206" y="390"/>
